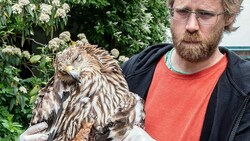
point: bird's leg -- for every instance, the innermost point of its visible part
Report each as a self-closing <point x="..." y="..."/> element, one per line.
<point x="84" y="133"/>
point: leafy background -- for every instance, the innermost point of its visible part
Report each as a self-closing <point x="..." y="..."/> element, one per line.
<point x="33" y="31"/>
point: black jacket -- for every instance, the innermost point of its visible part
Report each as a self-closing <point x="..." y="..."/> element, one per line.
<point x="228" y="113"/>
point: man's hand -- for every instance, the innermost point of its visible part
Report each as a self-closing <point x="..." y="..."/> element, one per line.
<point x="138" y="134"/>
<point x="33" y="133"/>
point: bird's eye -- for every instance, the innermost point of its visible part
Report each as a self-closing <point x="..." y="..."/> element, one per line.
<point x="78" y="58"/>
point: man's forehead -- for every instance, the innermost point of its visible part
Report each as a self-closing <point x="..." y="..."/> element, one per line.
<point x="203" y="4"/>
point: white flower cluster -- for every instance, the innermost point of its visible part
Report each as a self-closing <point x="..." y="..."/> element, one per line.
<point x="65" y="36"/>
<point x="17" y="51"/>
<point x="56" y="3"/>
<point x="45" y="8"/>
<point x="61" y="13"/>
<point x="23" y="2"/>
<point x="55" y="44"/>
<point x="8" y="50"/>
<point x="26" y="54"/>
<point x="44" y="18"/>
<point x="45" y="12"/>
<point x="32" y="7"/>
<point x="123" y="58"/>
<point x="12" y="50"/>
<point x="81" y="36"/>
<point x="23" y="89"/>
<point x="16" y="9"/>
<point x="82" y="40"/>
<point x="16" y="79"/>
<point x="115" y="52"/>
<point x="66" y="7"/>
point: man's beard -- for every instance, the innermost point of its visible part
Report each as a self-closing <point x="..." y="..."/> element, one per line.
<point x="200" y="51"/>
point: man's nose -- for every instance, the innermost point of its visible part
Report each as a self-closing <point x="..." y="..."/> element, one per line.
<point x="192" y="24"/>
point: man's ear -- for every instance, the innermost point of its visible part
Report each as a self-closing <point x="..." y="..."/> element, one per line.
<point x="230" y="19"/>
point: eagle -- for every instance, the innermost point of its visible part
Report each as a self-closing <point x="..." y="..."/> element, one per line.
<point x="87" y="98"/>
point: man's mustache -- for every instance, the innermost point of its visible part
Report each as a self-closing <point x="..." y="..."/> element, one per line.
<point x="194" y="37"/>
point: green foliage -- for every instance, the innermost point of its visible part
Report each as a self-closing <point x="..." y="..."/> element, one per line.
<point x="23" y="16"/>
<point x="9" y="130"/>
<point x="23" y="73"/>
<point x="17" y="94"/>
<point x="128" y="26"/>
<point x="28" y="44"/>
<point x="96" y="3"/>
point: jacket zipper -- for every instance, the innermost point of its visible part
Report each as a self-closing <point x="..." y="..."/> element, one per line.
<point x="236" y="125"/>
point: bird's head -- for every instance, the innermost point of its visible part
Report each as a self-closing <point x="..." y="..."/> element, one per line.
<point x="74" y="63"/>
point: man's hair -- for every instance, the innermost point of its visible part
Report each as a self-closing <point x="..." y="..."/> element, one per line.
<point x="231" y="8"/>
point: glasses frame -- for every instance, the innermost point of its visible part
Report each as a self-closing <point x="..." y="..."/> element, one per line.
<point x="172" y="10"/>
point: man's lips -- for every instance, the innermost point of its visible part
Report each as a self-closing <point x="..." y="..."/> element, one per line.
<point x="191" y="42"/>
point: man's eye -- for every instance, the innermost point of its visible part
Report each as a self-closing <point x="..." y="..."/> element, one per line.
<point x="182" y="12"/>
<point x="205" y="14"/>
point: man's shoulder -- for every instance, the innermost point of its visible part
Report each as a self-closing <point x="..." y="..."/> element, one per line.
<point x="238" y="70"/>
<point x="149" y="56"/>
<point x="153" y="51"/>
<point x="235" y="60"/>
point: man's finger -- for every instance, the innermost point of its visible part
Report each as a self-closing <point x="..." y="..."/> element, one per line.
<point x="36" y="137"/>
<point x="36" y="128"/>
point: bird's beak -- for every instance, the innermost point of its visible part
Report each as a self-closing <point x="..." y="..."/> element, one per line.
<point x="73" y="73"/>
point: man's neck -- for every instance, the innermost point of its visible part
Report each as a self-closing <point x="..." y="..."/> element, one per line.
<point x="186" y="66"/>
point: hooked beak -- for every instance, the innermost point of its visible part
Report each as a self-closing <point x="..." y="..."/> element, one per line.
<point x="73" y="73"/>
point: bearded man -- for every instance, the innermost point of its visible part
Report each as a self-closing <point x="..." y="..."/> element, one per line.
<point x="194" y="89"/>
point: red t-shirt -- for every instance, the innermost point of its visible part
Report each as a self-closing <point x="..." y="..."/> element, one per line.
<point x="176" y="103"/>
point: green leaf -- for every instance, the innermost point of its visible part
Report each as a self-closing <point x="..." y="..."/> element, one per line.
<point x="12" y="103"/>
<point x="21" y="101"/>
<point x="9" y="10"/>
<point x="35" y="59"/>
<point x="23" y="39"/>
<point x="33" y="99"/>
<point x="8" y="90"/>
<point x="30" y="12"/>
<point x="34" y="91"/>
<point x="31" y="31"/>
<point x="5" y="123"/>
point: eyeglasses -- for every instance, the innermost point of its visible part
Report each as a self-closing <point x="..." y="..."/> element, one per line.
<point x="204" y="17"/>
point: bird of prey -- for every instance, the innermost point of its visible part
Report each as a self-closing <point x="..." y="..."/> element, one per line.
<point x="88" y="98"/>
